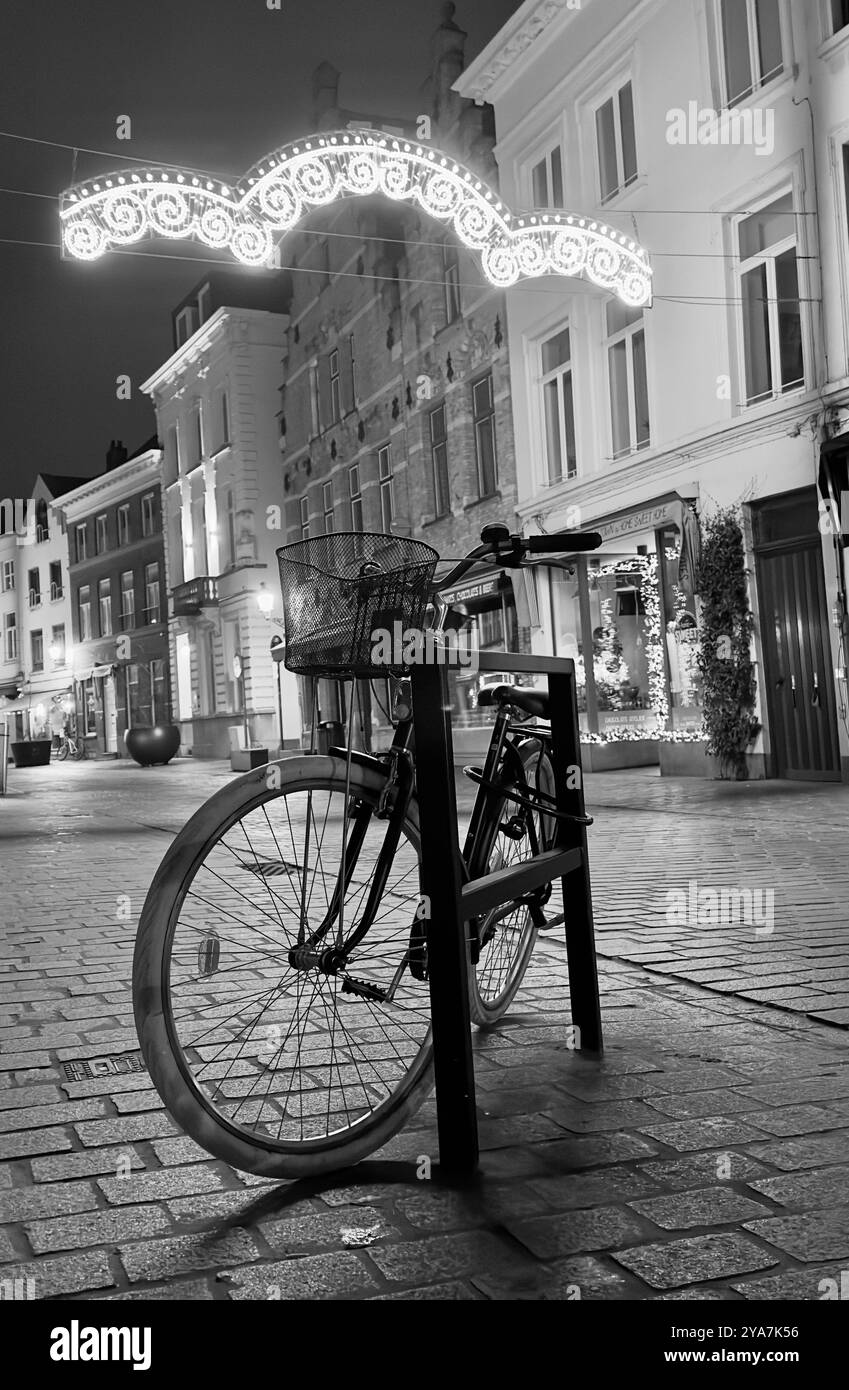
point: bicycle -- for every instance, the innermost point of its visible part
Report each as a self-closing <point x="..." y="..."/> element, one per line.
<point x="280" y="976"/>
<point x="70" y="745"/>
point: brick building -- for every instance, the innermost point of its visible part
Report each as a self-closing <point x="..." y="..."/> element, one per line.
<point x="395" y="413"/>
<point x="119" y="663"/>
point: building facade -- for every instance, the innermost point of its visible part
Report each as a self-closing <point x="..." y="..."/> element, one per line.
<point x="396" y="410"/>
<point x="35" y="612"/>
<point x="119" y="662"/>
<point x="217" y="402"/>
<point x="717" y="134"/>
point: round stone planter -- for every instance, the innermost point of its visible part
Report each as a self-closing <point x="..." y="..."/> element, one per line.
<point x="152" y="745"/>
<point x="32" y="752"/>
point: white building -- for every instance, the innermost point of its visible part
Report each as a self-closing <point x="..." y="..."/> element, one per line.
<point x="35" y="613"/>
<point x="723" y="392"/>
<point x="217" y="402"/>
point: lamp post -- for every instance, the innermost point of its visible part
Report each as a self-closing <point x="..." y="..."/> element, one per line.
<point x="239" y="675"/>
<point x="278" y="651"/>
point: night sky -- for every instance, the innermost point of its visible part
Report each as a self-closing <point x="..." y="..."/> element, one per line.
<point x="212" y="84"/>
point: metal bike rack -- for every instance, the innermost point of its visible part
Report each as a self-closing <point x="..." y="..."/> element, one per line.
<point x="452" y="903"/>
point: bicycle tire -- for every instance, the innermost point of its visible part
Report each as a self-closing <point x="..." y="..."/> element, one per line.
<point x="62" y="752"/>
<point x="495" y="980"/>
<point x="192" y="1103"/>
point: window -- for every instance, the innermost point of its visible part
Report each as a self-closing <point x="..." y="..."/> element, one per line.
<point x="184" y="324"/>
<point x="128" y="601"/>
<point x="37" y="650"/>
<point x="483" y="411"/>
<point x="616" y="141"/>
<point x="34" y="586"/>
<point x="335" y="387"/>
<point x="224" y="418"/>
<point x="751" y="44"/>
<point x="10" y="637"/>
<point x="773" y="361"/>
<point x="353" y="370"/>
<point x="356" y="498"/>
<point x="57" y="588"/>
<point x="8" y="579"/>
<point x="100" y="535"/>
<point x="42" y="529"/>
<point x="304" y="507"/>
<point x="327" y="504"/>
<point x="231" y="527"/>
<point x="148" y="514"/>
<point x="839" y="15"/>
<point x="559" y="408"/>
<point x="384" y="480"/>
<point x="124" y="524"/>
<point x="57" y="645"/>
<point x="104" y="605"/>
<point x="490" y="625"/>
<point x="315" y="399"/>
<point x="204" y="304"/>
<point x="547" y="181"/>
<point x="628" y="380"/>
<point x="451" y="276"/>
<point x="84" y="612"/>
<point x="197" y="423"/>
<point x="82" y="542"/>
<point x="151" y="593"/>
<point x="439" y="461"/>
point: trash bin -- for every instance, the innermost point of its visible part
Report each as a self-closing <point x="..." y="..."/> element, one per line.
<point x="331" y="734"/>
<point x="4" y="757"/>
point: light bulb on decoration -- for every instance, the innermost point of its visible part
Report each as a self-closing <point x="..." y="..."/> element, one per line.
<point x="280" y="191"/>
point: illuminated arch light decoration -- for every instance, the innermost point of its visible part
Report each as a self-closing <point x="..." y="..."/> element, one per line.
<point x="119" y="209"/>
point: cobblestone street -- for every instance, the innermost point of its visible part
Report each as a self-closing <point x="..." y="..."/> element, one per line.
<point x="705" y="1157"/>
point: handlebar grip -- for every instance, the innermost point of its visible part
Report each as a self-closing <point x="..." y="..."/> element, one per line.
<point x="569" y="541"/>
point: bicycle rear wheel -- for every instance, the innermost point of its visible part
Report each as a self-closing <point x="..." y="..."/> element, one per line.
<point x="507" y="934"/>
<point x="284" y="1071"/>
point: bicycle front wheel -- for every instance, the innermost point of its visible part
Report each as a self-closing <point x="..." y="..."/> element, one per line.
<point x="62" y="752"/>
<point x="284" y="1069"/>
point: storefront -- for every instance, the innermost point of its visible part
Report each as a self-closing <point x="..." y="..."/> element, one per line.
<point x="627" y="615"/>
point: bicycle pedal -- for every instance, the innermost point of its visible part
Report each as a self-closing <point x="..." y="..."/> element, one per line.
<point x="362" y="989"/>
<point x="552" y="922"/>
<point x="514" y="828"/>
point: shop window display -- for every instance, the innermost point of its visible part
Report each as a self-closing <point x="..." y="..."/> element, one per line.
<point x="682" y="637"/>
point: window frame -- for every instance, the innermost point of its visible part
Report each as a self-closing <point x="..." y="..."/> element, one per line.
<point x="768" y="258"/>
<point x="59" y="641"/>
<point x="328" y="512"/>
<point x="10" y="636"/>
<point x="627" y="334"/>
<point x="101" y="532"/>
<point x="128" y="612"/>
<point x="562" y="369"/>
<point x="148" y="510"/>
<point x="84" y="612"/>
<point x="436" y="445"/>
<point x="386" y="488"/>
<point x="759" y="81"/>
<point x="833" y="27"/>
<point x="546" y="161"/>
<point x="7" y="579"/>
<point x="81" y="534"/>
<point x="612" y="95"/>
<point x="149" y="584"/>
<point x="123" y="523"/>
<point x="104" y="597"/>
<point x="34" y="590"/>
<point x="56" y="586"/>
<point x="304" y="516"/>
<point x="335" y="370"/>
<point x="355" y="496"/>
<point x="487" y="417"/>
<point x="451" y="281"/>
<point x="36" y="637"/>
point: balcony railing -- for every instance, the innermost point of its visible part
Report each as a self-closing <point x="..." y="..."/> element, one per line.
<point x="194" y="595"/>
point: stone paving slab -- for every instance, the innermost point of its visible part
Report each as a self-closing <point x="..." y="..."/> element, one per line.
<point x="705" y="1156"/>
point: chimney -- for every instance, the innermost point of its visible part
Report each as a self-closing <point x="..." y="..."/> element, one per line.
<point x="116" y="456"/>
<point x="325" y="97"/>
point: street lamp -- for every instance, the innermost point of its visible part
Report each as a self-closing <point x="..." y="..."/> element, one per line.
<point x="278" y="652"/>
<point x="239" y="676"/>
<point x="265" y="599"/>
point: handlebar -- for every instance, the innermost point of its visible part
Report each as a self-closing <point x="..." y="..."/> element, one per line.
<point x="509" y="551"/>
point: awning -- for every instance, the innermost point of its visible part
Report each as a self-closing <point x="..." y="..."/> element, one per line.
<point x="93" y="673"/>
<point x="476" y="588"/>
<point x="30" y="699"/>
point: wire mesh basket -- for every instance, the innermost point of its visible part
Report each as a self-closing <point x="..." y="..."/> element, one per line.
<point x="342" y="592"/>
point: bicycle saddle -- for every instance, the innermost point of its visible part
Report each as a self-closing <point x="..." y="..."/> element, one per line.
<point x="533" y="701"/>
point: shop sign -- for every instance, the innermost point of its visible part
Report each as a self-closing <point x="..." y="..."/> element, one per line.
<point x="471" y="591"/>
<point x="649" y="519"/>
